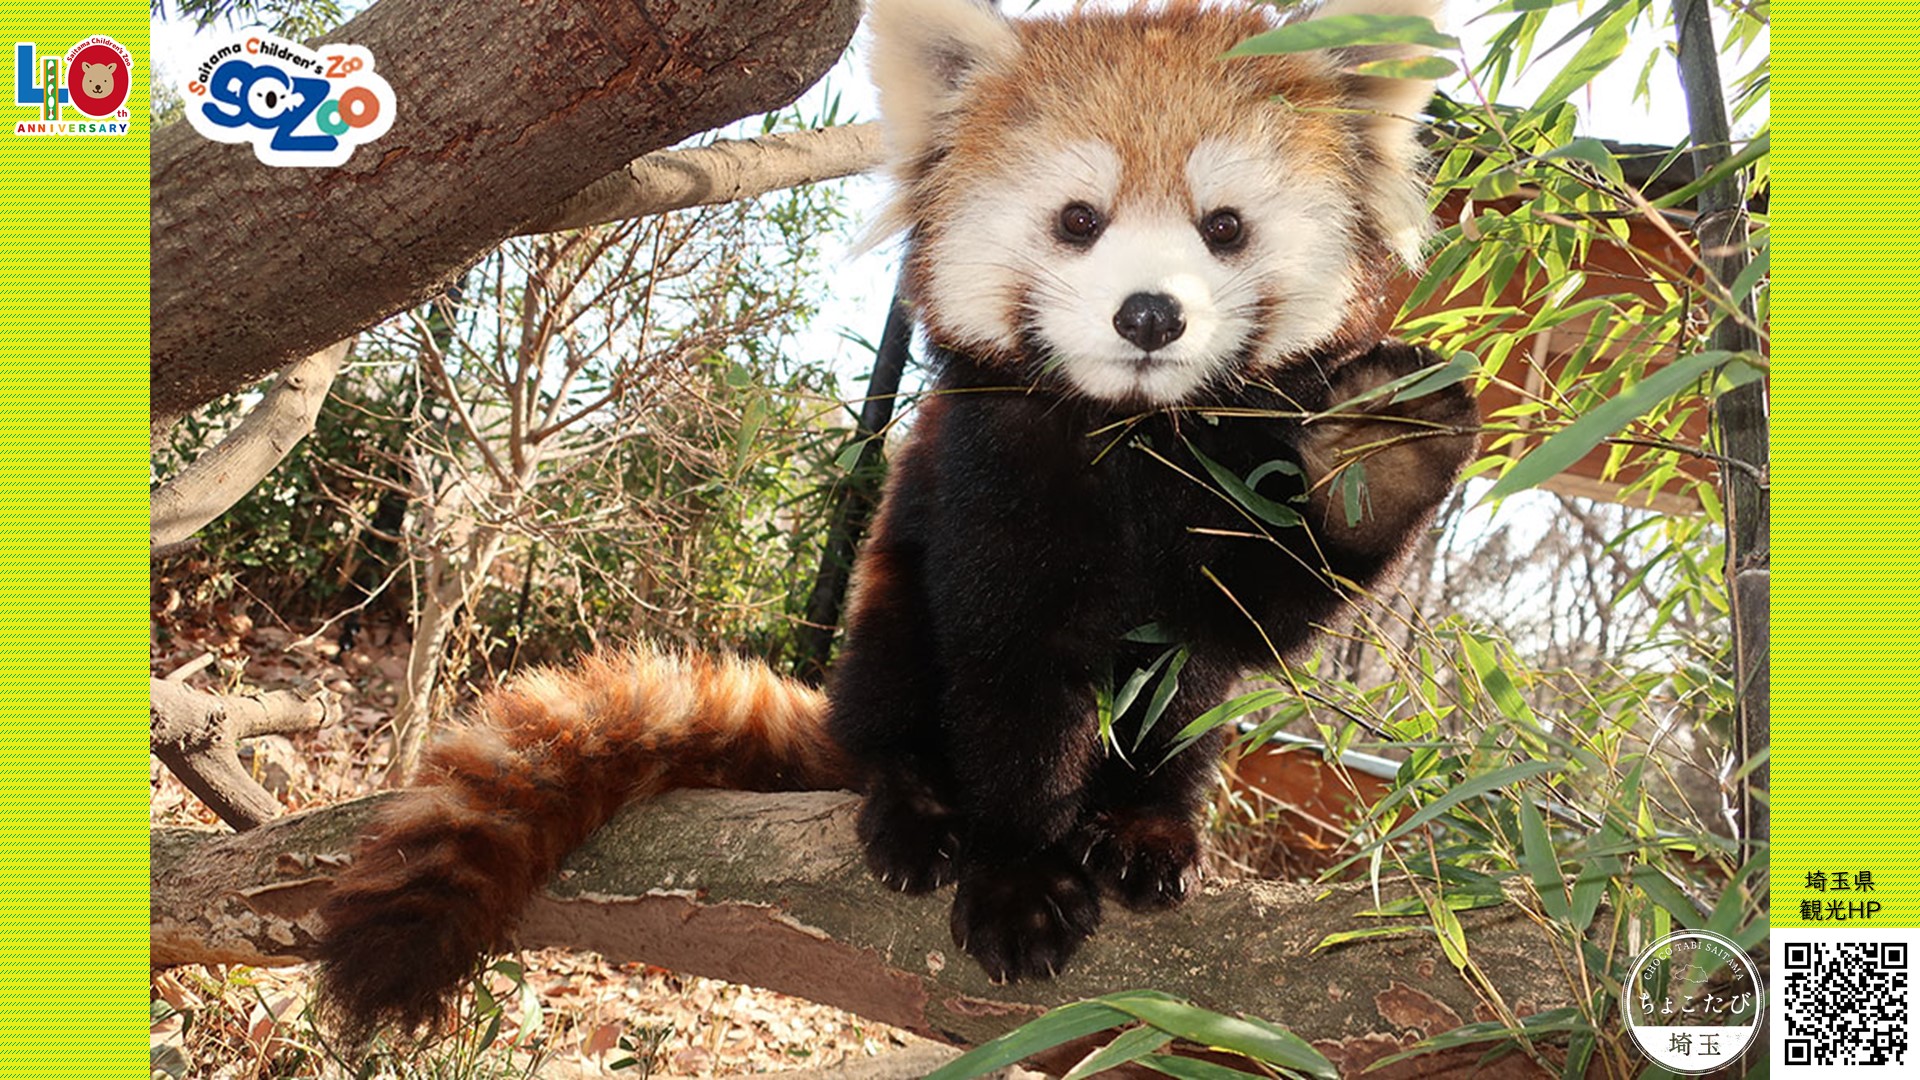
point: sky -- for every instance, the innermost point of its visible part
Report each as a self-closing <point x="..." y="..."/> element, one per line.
<point x="862" y="282"/>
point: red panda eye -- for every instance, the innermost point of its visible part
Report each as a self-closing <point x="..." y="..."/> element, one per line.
<point x="1078" y="223"/>
<point x="1222" y="230"/>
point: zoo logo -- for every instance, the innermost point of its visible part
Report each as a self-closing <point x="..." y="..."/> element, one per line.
<point x="296" y="106"/>
<point x="93" y="78"/>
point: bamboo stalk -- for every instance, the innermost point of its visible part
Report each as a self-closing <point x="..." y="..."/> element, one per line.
<point x="1740" y="415"/>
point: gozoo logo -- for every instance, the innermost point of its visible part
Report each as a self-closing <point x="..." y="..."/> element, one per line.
<point x="296" y="106"/>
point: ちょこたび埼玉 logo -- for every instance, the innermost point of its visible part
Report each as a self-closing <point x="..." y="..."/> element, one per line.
<point x="295" y="105"/>
<point x="91" y="79"/>
<point x="1693" y="1002"/>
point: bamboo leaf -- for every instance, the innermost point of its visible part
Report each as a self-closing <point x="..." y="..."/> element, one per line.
<point x="1186" y="1068"/>
<point x="1543" y="866"/>
<point x="1130" y="1045"/>
<point x="1601" y="48"/>
<point x="1344" y="936"/>
<point x="1755" y="151"/>
<point x="1237" y="489"/>
<point x="1480" y="785"/>
<point x="1260" y="1041"/>
<point x="1593" y="152"/>
<point x="1420" y="67"/>
<point x="1162" y="695"/>
<point x="1353" y="491"/>
<point x="1571" y="443"/>
<point x="1665" y="893"/>
<point x="1453" y="939"/>
<point x="1124" y="698"/>
<point x="1233" y="709"/>
<point x="1064" y="1024"/>
<point x="1566" y="1018"/>
<point x="1339" y="31"/>
<point x="1499" y="184"/>
<point x="1486" y="665"/>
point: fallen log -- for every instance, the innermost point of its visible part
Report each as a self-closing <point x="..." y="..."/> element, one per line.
<point x="770" y="890"/>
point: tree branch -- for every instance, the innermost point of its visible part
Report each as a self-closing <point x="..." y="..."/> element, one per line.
<point x="223" y="475"/>
<point x="770" y="890"/>
<point x="725" y="171"/>
<point x="254" y="267"/>
<point x="195" y="734"/>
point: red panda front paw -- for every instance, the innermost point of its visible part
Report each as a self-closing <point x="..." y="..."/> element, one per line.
<point x="1147" y="861"/>
<point x="1439" y="426"/>
<point x="909" y="836"/>
<point x="1025" y="920"/>
<point x="1376" y="469"/>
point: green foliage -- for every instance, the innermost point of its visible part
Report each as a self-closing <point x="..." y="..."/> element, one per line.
<point x="1146" y="1021"/>
<point x="1338" y="31"/>
<point x="1564" y="774"/>
<point x="291" y="542"/>
<point x="296" y="20"/>
<point x="685" y="501"/>
<point x="698" y="512"/>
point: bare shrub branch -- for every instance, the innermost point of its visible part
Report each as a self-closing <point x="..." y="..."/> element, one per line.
<point x="196" y="734"/>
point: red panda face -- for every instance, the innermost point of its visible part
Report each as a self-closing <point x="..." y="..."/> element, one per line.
<point x="1142" y="295"/>
<point x="1104" y="198"/>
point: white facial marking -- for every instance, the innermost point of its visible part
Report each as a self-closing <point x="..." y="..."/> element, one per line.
<point x="1073" y="306"/>
<point x="1001" y="239"/>
<point x="1299" y="238"/>
<point x="998" y="269"/>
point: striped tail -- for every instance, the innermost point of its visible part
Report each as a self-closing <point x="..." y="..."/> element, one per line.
<point x="547" y="759"/>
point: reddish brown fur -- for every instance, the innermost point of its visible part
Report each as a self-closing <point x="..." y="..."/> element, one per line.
<point x="1151" y="83"/>
<point x="881" y="574"/>
<point x="552" y="757"/>
<point x="543" y="763"/>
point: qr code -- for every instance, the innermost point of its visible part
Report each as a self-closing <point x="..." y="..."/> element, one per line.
<point x="1844" y="1002"/>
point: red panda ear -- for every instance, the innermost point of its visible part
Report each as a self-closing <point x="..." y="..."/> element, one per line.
<point x="1395" y="198"/>
<point x="924" y="54"/>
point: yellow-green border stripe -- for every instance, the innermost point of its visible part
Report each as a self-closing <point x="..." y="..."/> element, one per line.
<point x="1846" y="454"/>
<point x="73" y="610"/>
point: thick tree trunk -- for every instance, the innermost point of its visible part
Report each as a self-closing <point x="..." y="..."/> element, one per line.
<point x="769" y="890"/>
<point x="505" y="110"/>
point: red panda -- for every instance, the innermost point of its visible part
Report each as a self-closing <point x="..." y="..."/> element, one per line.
<point x="1136" y="263"/>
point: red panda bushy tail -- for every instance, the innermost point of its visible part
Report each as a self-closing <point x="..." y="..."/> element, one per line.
<point x="545" y="760"/>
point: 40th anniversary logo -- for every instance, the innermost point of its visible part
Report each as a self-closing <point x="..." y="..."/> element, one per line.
<point x="296" y="106"/>
<point x="92" y="79"/>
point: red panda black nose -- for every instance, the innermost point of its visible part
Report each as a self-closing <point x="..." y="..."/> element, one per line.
<point x="1149" y="320"/>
